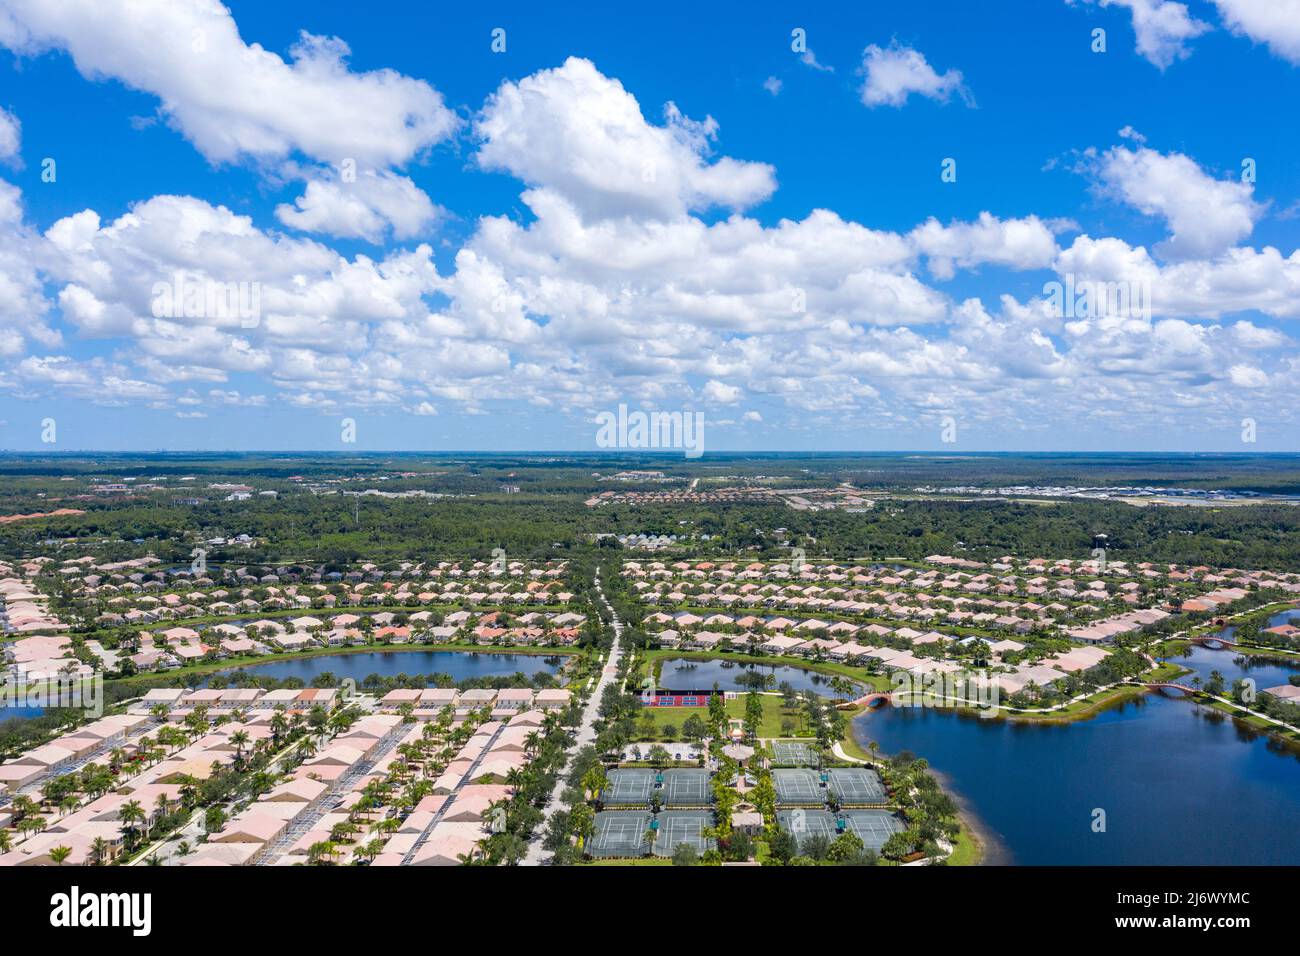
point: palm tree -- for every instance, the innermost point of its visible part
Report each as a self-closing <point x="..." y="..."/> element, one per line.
<point x="60" y="854"/>
<point x="321" y="852"/>
<point x="131" y="814"/>
<point x="240" y="739"/>
<point x="99" y="848"/>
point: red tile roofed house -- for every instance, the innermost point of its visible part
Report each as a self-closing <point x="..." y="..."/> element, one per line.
<point x="512" y="739"/>
<point x="495" y="767"/>
<point x="402" y="695"/>
<point x="1287" y="692"/>
<point x="477" y="697"/>
<point x="471" y="804"/>
<point x="250" y="827"/>
<point x="515" y="698"/>
<point x="336" y="755"/>
<point x="552" y="698"/>
<point x="448" y="843"/>
<point x="36" y="851"/>
<point x="295" y="791"/>
<point x="528" y="718"/>
<point x="438" y="697"/>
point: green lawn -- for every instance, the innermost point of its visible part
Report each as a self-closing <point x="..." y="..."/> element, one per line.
<point x="774" y="714"/>
<point x="966" y="849"/>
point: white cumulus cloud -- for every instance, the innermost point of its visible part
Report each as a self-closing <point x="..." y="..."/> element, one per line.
<point x="1275" y="23"/>
<point x="895" y="73"/>
<point x="576" y="131"/>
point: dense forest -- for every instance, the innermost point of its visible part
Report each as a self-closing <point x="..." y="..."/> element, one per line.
<point x="533" y="507"/>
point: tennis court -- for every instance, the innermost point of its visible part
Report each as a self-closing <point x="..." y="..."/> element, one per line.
<point x="798" y="788"/>
<point x="620" y="833"/>
<point x="807" y="823"/>
<point x="854" y="785"/>
<point x="873" y="827"/>
<point x="629" y="787"/>
<point x="686" y="788"/>
<point x="683" y="826"/>
<point x="792" y="753"/>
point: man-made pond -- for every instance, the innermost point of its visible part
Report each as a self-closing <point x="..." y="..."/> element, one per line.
<point x="457" y="664"/>
<point x="1178" y="783"/>
<point x="682" y="674"/>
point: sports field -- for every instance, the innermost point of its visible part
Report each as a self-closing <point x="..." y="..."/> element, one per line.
<point x="686" y="788"/>
<point x="620" y="833"/>
<point x="682" y="826"/>
<point x="873" y="827"/>
<point x="793" y="753"/>
<point x="629" y="787"/>
<point x="798" y="788"/>
<point x="855" y="786"/>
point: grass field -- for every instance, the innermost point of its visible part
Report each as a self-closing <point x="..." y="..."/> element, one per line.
<point x="966" y="849"/>
<point x="775" y="713"/>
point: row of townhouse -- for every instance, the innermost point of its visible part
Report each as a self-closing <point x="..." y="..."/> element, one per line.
<point x="184" y="645"/>
<point x="282" y="827"/>
<point x="448" y="823"/>
<point x="180" y="701"/>
<point x="1004" y="615"/>
<point x="1007" y="575"/>
<point x="145" y="608"/>
<point x="426" y="703"/>
<point x="70" y="751"/>
<point x="254" y="835"/>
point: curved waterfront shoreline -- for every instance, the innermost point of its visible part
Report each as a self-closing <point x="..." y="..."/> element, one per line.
<point x="241" y="663"/>
<point x="986" y="849"/>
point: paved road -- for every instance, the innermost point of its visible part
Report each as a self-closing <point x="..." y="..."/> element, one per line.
<point x="586" y="733"/>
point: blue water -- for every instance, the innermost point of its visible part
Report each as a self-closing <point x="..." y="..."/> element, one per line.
<point x="1291" y="616"/>
<point x="681" y="674"/>
<point x="9" y="713"/>
<point x="1180" y="784"/>
<point x="1265" y="673"/>
<point x="459" y="665"/>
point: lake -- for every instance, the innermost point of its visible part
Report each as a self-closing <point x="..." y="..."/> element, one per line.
<point x="459" y="665"/>
<point x="11" y="713"/>
<point x="1180" y="784"/>
<point x="682" y="674"/>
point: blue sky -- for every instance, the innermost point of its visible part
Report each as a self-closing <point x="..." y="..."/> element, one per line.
<point x="537" y="238"/>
